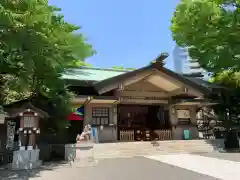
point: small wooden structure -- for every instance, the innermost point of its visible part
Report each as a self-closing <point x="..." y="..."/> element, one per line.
<point x="27" y="119"/>
<point x="5" y="156"/>
<point x="21" y="129"/>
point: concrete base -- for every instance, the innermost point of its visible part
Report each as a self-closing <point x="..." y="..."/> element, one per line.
<point x="84" y="152"/>
<point x="70" y="152"/>
<point x="84" y="155"/>
<point x="26" y="159"/>
<point x="80" y="154"/>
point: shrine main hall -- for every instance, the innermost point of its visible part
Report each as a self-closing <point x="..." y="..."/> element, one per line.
<point x="150" y="103"/>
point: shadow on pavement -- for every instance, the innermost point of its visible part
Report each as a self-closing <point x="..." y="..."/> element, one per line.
<point x="8" y="174"/>
<point x="218" y="145"/>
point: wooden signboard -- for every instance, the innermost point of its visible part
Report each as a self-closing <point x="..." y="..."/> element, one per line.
<point x="10" y="134"/>
<point x="183" y="114"/>
<point x="184" y="117"/>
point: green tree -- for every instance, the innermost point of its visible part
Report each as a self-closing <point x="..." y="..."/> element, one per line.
<point x="230" y="97"/>
<point x="130" y="69"/>
<point x="122" y="68"/>
<point x="210" y="29"/>
<point x="229" y="108"/>
<point x="118" y="67"/>
<point x="36" y="45"/>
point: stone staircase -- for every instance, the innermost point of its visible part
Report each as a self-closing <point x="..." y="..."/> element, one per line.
<point x="126" y="149"/>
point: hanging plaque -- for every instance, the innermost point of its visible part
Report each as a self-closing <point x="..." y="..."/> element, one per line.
<point x="183" y="117"/>
<point x="183" y="114"/>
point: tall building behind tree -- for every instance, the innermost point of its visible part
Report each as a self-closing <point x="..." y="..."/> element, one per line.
<point x="185" y="65"/>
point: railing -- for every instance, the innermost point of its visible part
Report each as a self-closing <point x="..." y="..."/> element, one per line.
<point x="126" y="135"/>
<point x="164" y="134"/>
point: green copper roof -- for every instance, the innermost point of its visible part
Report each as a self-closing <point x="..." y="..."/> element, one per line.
<point x="100" y="74"/>
<point x="91" y="74"/>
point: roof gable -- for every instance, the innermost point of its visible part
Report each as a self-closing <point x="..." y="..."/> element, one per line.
<point x="157" y="65"/>
<point x="22" y="106"/>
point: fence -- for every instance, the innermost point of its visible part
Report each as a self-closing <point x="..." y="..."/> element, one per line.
<point x="126" y="135"/>
<point x="164" y="134"/>
<point x="6" y="158"/>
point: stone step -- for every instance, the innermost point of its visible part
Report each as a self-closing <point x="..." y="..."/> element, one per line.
<point x="136" y="151"/>
<point x="130" y="149"/>
<point x="153" y="148"/>
<point x="127" y="145"/>
<point x="147" y="148"/>
<point x="126" y="149"/>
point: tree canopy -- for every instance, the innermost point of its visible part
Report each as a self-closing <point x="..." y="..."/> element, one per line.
<point x="210" y="30"/>
<point x="122" y="68"/>
<point x="36" y="45"/>
<point x="230" y="103"/>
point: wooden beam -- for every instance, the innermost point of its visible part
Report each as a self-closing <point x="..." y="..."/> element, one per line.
<point x="117" y="101"/>
<point x="176" y="92"/>
<point x="143" y="101"/>
<point x="185" y="90"/>
<point x="143" y="93"/>
<point x="88" y="100"/>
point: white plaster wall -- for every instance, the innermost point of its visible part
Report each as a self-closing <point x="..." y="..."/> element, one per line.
<point x="109" y="133"/>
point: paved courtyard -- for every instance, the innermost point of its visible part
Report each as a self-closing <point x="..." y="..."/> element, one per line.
<point x="167" y="167"/>
<point x="226" y="156"/>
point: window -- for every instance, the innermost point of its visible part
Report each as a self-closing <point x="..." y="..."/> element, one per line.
<point x="29" y="121"/>
<point x="100" y="116"/>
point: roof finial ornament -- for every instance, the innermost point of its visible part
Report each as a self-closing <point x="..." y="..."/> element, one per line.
<point x="160" y="59"/>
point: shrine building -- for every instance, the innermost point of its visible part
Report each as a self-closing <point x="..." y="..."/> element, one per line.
<point x="150" y="103"/>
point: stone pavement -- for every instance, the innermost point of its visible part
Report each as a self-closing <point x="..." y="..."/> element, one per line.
<point x="227" y="156"/>
<point x="135" y="168"/>
<point x="202" y="166"/>
<point x="211" y="166"/>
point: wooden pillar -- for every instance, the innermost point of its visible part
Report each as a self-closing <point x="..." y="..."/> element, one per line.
<point x="22" y="137"/>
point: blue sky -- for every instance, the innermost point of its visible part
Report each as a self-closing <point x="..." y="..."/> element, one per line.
<point x="130" y="33"/>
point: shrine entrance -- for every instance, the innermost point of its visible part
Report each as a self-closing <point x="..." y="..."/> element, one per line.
<point x="142" y="122"/>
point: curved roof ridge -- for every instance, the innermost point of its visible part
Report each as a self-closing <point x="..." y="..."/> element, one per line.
<point x="102" y="69"/>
